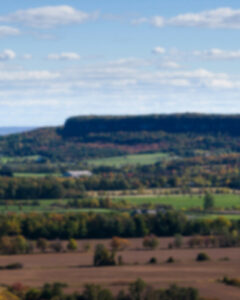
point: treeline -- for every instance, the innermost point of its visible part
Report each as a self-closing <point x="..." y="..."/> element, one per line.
<point x="175" y="123"/>
<point x="180" y="174"/>
<point x="137" y="290"/>
<point x="90" y="225"/>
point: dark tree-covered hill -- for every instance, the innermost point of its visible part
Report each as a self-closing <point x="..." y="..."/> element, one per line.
<point x="174" y="123"/>
<point x="88" y="137"/>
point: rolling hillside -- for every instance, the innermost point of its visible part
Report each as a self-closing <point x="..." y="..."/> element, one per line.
<point x="91" y="137"/>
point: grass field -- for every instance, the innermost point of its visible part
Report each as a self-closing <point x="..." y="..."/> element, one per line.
<point x="214" y="216"/>
<point x="136" y="159"/>
<point x="18" y="159"/>
<point x="37" y="175"/>
<point x="178" y="202"/>
<point x="222" y="201"/>
<point x="47" y="205"/>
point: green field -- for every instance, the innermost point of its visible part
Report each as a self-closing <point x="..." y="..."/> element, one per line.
<point x="38" y="175"/>
<point x="135" y="159"/>
<point x="178" y="202"/>
<point x="46" y="206"/>
<point x="185" y="202"/>
<point x="214" y="216"/>
<point x="18" y="159"/>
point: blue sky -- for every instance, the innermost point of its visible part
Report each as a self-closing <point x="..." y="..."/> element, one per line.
<point x="65" y="58"/>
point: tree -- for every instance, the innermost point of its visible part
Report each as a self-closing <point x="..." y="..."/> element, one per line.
<point x="56" y="246"/>
<point x="150" y="242"/>
<point x="136" y="289"/>
<point x="95" y="292"/>
<point x="178" y="241"/>
<point x="20" y="244"/>
<point x="208" y="201"/>
<point x="72" y="245"/>
<point x="42" y="244"/>
<point x="118" y="243"/>
<point x="102" y="256"/>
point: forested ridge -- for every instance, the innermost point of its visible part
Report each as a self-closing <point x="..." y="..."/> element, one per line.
<point x="173" y="123"/>
<point x="95" y="137"/>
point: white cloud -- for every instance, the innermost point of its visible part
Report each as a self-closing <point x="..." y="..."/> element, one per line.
<point x="218" y="18"/>
<point x="27" y="56"/>
<point x="48" y="16"/>
<point x="139" y="21"/>
<point x="128" y="86"/>
<point x="64" y="56"/>
<point x="170" y="64"/>
<point x="218" y="54"/>
<point x="6" y="31"/>
<point x="159" y="50"/>
<point x="7" y="55"/>
<point x="27" y="75"/>
<point x="224" y="17"/>
<point x="157" y="21"/>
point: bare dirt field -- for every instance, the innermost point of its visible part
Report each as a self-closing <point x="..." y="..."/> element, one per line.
<point x="76" y="269"/>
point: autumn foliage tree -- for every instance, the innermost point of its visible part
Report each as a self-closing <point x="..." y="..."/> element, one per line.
<point x="150" y="242"/>
<point x="118" y="243"/>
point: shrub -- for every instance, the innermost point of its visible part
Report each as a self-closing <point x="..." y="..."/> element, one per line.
<point x="170" y="260"/>
<point x="56" y="246"/>
<point x="178" y="241"/>
<point x="152" y="260"/>
<point x="102" y="256"/>
<point x="42" y="244"/>
<point x="118" y="243"/>
<point x="231" y="281"/>
<point x="13" y="245"/>
<point x="202" y="256"/>
<point x="72" y="245"/>
<point x="150" y="242"/>
<point x="12" y="266"/>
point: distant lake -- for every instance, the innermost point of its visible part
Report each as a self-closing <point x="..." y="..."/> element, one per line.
<point x="12" y="130"/>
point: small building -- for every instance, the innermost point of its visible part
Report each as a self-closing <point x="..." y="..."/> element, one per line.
<point x="78" y="174"/>
<point x="159" y="209"/>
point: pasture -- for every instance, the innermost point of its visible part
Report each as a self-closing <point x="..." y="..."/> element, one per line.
<point x="133" y="159"/>
<point x="183" y="202"/>
<point x="36" y="175"/>
<point x="76" y="269"/>
<point x="224" y="204"/>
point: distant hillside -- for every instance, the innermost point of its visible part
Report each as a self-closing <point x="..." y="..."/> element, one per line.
<point x="13" y="130"/>
<point x="174" y="123"/>
<point x="90" y="137"/>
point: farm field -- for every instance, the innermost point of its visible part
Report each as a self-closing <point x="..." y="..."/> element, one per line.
<point x="214" y="216"/>
<point x="48" y="208"/>
<point x="76" y="269"/>
<point x="178" y="202"/>
<point x="136" y="159"/>
<point x="19" y="159"/>
<point x="37" y="175"/>
<point x="184" y="202"/>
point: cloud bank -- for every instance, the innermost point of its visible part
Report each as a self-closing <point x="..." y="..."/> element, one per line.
<point x="48" y="16"/>
<point x="225" y="18"/>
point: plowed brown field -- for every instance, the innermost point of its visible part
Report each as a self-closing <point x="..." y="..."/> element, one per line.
<point x="76" y="269"/>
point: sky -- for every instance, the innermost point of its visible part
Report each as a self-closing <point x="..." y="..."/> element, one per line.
<point x="76" y="57"/>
